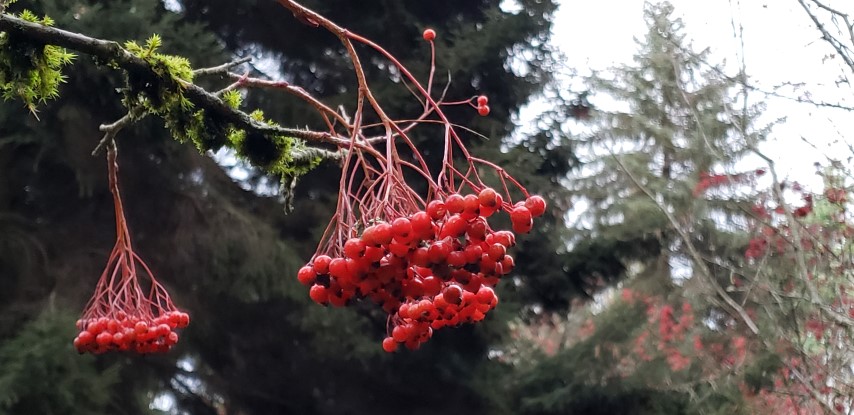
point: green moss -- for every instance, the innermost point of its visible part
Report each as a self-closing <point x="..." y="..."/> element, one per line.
<point x="30" y="71"/>
<point x="232" y="98"/>
<point x="160" y="91"/>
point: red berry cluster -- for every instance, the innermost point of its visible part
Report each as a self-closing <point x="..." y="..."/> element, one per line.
<point x="482" y="105"/>
<point x="415" y="320"/>
<point x="129" y="333"/>
<point x="431" y="269"/>
<point x="123" y="313"/>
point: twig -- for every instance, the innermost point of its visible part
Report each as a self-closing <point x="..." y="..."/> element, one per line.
<point x="291" y="89"/>
<point x="110" y="130"/>
<point x="222" y="68"/>
<point x="841" y="49"/>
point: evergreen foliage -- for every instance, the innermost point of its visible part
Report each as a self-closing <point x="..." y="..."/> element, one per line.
<point x="671" y="122"/>
<point x="43" y="374"/>
<point x="230" y="255"/>
<point x="671" y="125"/>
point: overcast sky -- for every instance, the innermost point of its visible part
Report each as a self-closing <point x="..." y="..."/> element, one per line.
<point x="780" y="45"/>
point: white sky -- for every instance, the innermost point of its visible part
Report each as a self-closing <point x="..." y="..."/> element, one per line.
<point x="780" y="45"/>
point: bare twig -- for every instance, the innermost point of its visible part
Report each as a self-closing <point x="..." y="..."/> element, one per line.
<point x="840" y="48"/>
<point x="110" y="130"/>
<point x="222" y="69"/>
<point x="243" y="80"/>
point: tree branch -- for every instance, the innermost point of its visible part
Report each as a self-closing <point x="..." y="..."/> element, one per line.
<point x="800" y="257"/>
<point x="840" y="48"/>
<point x="110" y="51"/>
<point x="695" y="255"/>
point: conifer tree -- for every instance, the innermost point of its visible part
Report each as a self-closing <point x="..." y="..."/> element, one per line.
<point x="663" y="132"/>
<point x="666" y="122"/>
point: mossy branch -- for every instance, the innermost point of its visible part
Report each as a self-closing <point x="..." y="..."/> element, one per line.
<point x="114" y="53"/>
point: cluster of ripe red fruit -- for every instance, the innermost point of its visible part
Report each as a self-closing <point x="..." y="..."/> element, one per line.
<point x="127" y="333"/>
<point x="482" y="107"/>
<point x="431" y="269"/>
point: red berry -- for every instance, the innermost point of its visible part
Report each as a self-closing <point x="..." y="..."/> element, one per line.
<point x="487" y="264"/>
<point x="454" y="203"/>
<point x="414" y="288"/>
<point x="379" y="234"/>
<point x="483" y="110"/>
<point x="504" y="238"/>
<point x="520" y="214"/>
<point x="85" y="338"/>
<point x="185" y="320"/>
<point x="104" y="339"/>
<point x="321" y="264"/>
<point x="536" y="205"/>
<point x="507" y="264"/>
<point x="452" y="294"/>
<point x="485" y="295"/>
<point x="400" y="334"/>
<point x="421" y="222"/>
<point x="457" y="259"/>
<point x="432" y="286"/>
<point x="401" y="227"/>
<point x="482" y="100"/>
<point x="472" y="206"/>
<point x="473" y="253"/>
<point x="306" y="275"/>
<point x="319" y="294"/>
<point x="338" y="268"/>
<point x="454" y="227"/>
<point x="398" y="249"/>
<point x="373" y="254"/>
<point x="355" y="268"/>
<point x="420" y="257"/>
<point x="163" y="330"/>
<point x="354" y="248"/>
<point x="438" y="252"/>
<point x="429" y="35"/>
<point x="113" y="326"/>
<point x="487" y="197"/>
<point x="436" y="209"/>
<point x="496" y="252"/>
<point x="389" y="345"/>
<point x="477" y="229"/>
<point x="520" y="227"/>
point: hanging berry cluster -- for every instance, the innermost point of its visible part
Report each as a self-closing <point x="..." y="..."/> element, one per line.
<point x="428" y="257"/>
<point x="130" y="310"/>
<point x="428" y="269"/>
